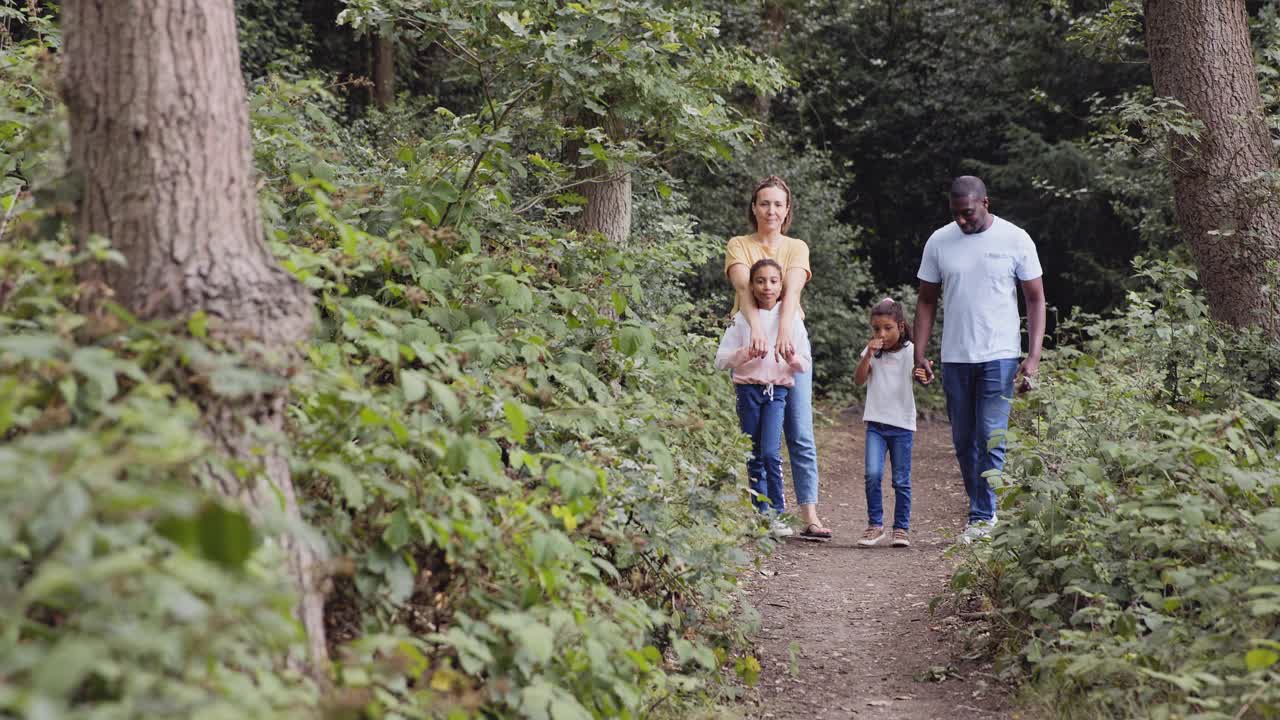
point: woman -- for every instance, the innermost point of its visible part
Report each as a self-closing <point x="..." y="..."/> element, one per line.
<point x="770" y="217"/>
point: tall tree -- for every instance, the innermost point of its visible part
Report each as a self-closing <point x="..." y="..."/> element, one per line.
<point x="160" y="142"/>
<point x="1224" y="197"/>
<point x="384" y="65"/>
<point x="607" y="187"/>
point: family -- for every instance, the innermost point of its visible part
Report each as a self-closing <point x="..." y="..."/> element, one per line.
<point x="975" y="264"/>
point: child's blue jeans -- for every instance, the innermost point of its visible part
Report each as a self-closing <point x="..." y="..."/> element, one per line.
<point x="895" y="441"/>
<point x="760" y="412"/>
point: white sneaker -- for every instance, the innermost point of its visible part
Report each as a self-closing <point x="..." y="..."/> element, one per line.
<point x="780" y="529"/>
<point x="977" y="531"/>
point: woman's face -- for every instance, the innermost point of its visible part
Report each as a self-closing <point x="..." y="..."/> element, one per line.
<point x="766" y="286"/>
<point x="770" y="209"/>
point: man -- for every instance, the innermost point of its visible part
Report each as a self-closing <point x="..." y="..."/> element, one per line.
<point x="977" y="263"/>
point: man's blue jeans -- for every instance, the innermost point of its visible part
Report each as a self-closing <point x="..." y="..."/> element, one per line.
<point x="896" y="441"/>
<point x="978" y="398"/>
<point x="760" y="415"/>
<point x="798" y="427"/>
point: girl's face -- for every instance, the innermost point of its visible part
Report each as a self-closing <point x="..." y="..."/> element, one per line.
<point x="770" y="209"/>
<point x="766" y="286"/>
<point x="887" y="329"/>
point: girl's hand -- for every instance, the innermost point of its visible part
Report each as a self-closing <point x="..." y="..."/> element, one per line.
<point x="875" y="345"/>
<point x="924" y="371"/>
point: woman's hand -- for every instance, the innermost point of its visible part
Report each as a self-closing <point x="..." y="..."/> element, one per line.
<point x="759" y="344"/>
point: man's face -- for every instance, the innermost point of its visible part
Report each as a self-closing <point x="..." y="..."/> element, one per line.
<point x="970" y="213"/>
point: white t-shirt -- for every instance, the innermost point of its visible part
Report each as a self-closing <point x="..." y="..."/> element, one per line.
<point x="890" y="399"/>
<point x="979" y="275"/>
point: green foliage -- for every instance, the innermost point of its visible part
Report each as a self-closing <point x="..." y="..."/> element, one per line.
<point x="509" y="435"/>
<point x="1134" y="569"/>
<point x="516" y="438"/>
<point x="274" y="37"/>
<point x="102" y="612"/>
<point x="564" y="89"/>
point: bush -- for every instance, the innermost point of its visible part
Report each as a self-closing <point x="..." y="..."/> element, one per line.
<point x="1134" y="570"/>
<point x="509" y="435"/>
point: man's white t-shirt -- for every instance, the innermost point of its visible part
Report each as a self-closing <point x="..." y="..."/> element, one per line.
<point x="979" y="274"/>
<point x="890" y="399"/>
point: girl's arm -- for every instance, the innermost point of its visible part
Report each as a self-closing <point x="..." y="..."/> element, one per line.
<point x="863" y="372"/>
<point x="735" y="346"/>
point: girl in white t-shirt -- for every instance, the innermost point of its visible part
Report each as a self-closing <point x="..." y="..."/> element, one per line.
<point x="886" y="369"/>
<point x="762" y="383"/>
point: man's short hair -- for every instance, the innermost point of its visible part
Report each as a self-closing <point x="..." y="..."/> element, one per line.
<point x="968" y="186"/>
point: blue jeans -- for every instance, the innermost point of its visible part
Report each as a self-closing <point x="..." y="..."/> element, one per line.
<point x="896" y="441"/>
<point x="978" y="398"/>
<point x="760" y="416"/>
<point x="798" y="427"/>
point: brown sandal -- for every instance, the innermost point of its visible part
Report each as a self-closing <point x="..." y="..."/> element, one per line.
<point x="814" y="531"/>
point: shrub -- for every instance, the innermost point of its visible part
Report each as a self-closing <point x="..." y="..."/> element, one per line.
<point x="1134" y="570"/>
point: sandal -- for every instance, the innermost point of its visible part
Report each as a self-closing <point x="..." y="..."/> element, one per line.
<point x="814" y="531"/>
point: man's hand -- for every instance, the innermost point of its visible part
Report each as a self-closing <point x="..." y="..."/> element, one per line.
<point x="1027" y="372"/>
<point x="924" y="371"/>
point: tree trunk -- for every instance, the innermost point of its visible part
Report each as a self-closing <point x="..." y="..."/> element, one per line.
<point x="608" y="191"/>
<point x="1226" y="207"/>
<point x="773" y="24"/>
<point x="384" y="66"/>
<point x="160" y="141"/>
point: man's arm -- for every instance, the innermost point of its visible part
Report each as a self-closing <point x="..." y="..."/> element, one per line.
<point x="740" y="276"/>
<point x="792" y="285"/>
<point x="1033" y="291"/>
<point x="926" y="311"/>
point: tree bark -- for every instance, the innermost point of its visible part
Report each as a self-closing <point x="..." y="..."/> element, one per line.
<point x="384" y="66"/>
<point x="608" y="191"/>
<point x="773" y="23"/>
<point x="160" y="142"/>
<point x="1226" y="205"/>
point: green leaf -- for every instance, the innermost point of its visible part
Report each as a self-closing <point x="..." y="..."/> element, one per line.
<point x="633" y="340"/>
<point x="349" y="485"/>
<point x="414" y="385"/>
<point x="1260" y="659"/>
<point x="226" y="536"/>
<point x="516" y="419"/>
<point x="512" y="21"/>
<point x="445" y="399"/>
<point x="32" y="347"/>
<point x="536" y="643"/>
<point x="198" y="324"/>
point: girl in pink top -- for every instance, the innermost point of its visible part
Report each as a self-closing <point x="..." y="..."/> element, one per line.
<point x="762" y="385"/>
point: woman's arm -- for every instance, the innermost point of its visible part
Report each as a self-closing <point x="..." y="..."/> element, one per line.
<point x="793" y="285"/>
<point x="740" y="276"/>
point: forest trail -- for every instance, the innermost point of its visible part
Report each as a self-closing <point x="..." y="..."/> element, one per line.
<point x="846" y="631"/>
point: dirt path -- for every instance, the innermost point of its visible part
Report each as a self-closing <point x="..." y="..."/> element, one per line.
<point x="847" y="630"/>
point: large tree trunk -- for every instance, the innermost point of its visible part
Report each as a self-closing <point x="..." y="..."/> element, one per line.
<point x="608" y="191"/>
<point x="384" y="65"/>
<point x="1226" y="209"/>
<point x="773" y="24"/>
<point x="160" y="142"/>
